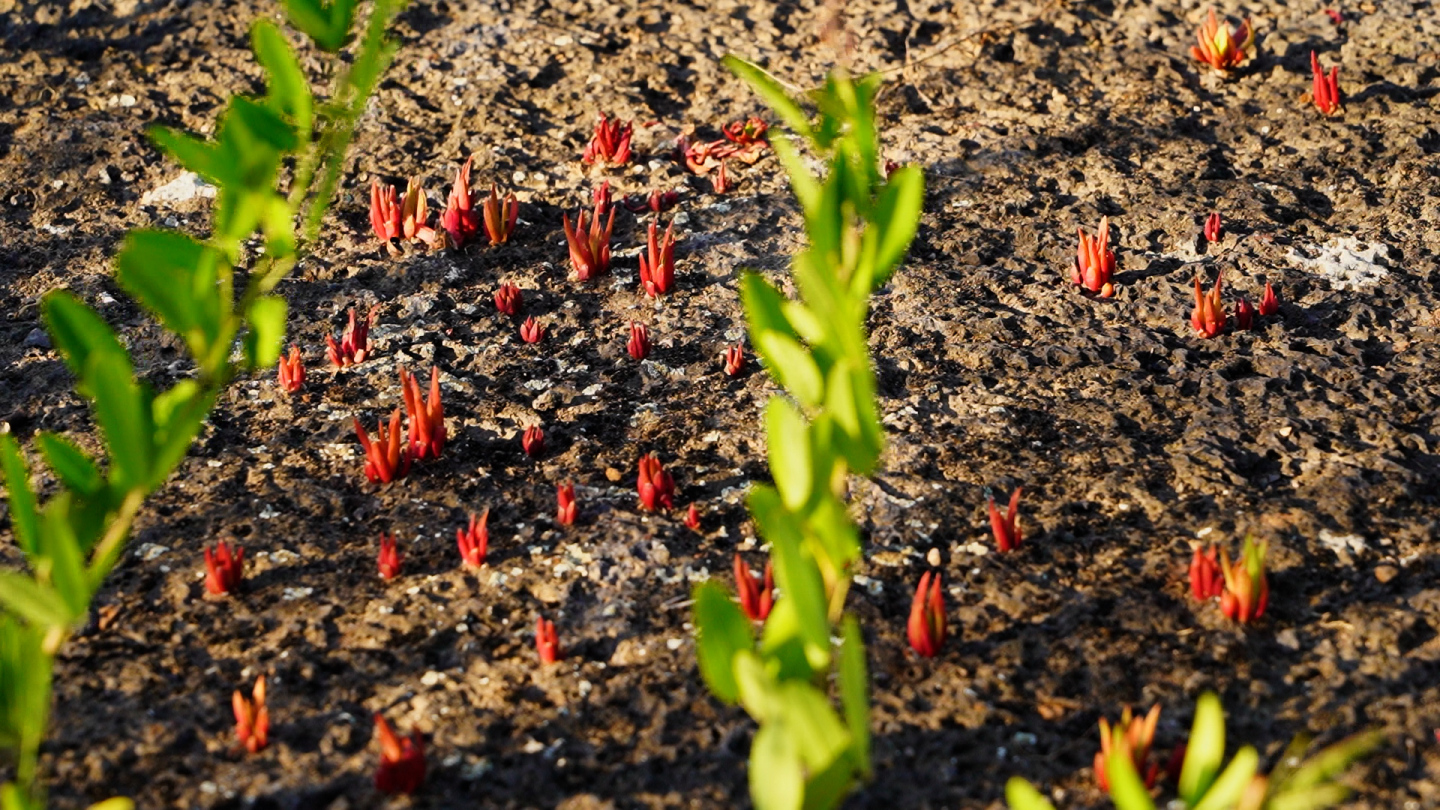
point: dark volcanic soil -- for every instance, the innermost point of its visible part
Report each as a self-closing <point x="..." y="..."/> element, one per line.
<point x="1131" y="436"/>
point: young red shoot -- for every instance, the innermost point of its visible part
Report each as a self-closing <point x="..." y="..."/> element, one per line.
<point x="1006" y="527"/>
<point x="589" y="251"/>
<point x="734" y="359"/>
<point x="1244" y="314"/>
<point x="1095" y="262"/>
<point x="500" y="215"/>
<point x="926" y="629"/>
<point x="1247" y="591"/>
<point x="746" y="133"/>
<point x="1269" y="302"/>
<point x="460" y="219"/>
<point x="565" y="506"/>
<point x="291" y="371"/>
<point x="426" y="417"/>
<point x="657" y="202"/>
<point x="533" y="441"/>
<point x="354" y="345"/>
<point x="692" y="518"/>
<point x="1212" y="227"/>
<point x="547" y="641"/>
<point x="1135" y="737"/>
<point x="389" y="557"/>
<point x="474" y="540"/>
<point x="252" y="719"/>
<point x="1209" y="316"/>
<point x="755" y="599"/>
<point x="509" y="300"/>
<point x="657" y="267"/>
<point x="384" y="212"/>
<point x="639" y="344"/>
<point x="414" y="214"/>
<point x="386" y="458"/>
<point x="721" y="182"/>
<point x="531" y="331"/>
<point x="1325" y="89"/>
<point x="601" y="198"/>
<point x="655" y="486"/>
<point x="402" y="760"/>
<point x="224" y="571"/>
<point x="1221" y="48"/>
<point x="1206" y="579"/>
<point x="610" y="144"/>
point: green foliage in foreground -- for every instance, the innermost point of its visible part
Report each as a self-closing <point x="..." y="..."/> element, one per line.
<point x="72" y="541"/>
<point x="806" y="754"/>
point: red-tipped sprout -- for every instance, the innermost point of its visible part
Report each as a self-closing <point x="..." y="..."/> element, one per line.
<point x="460" y="219"/>
<point x="654" y="485"/>
<point x="1133" y="736"/>
<point x="658" y="202"/>
<point x="384" y="212"/>
<point x="756" y="598"/>
<point x="1269" y="302"/>
<point x="386" y="458"/>
<point x="1209" y="316"/>
<point x="1247" y="590"/>
<point x="354" y="345"/>
<point x="1213" y="230"/>
<point x="426" y="417"/>
<point x="721" y="181"/>
<point x="531" y="331"/>
<point x="746" y="133"/>
<point x="509" y="299"/>
<point x="610" y="144"/>
<point x="1325" y="89"/>
<point x="926" y="628"/>
<point x="252" y="719"/>
<point x="1006" y="527"/>
<point x="414" y="215"/>
<point x="291" y="371"/>
<point x="474" y="540"/>
<point x="224" y="571"/>
<point x="533" y="441"/>
<point x="402" y="760"/>
<point x="1220" y="47"/>
<point x="1095" y="261"/>
<point x="566" y="508"/>
<point x="601" y="199"/>
<point x="1206" y="579"/>
<point x="500" y="215"/>
<point x="692" y="518"/>
<point x="389" y="557"/>
<point x="657" y="267"/>
<point x="734" y="359"/>
<point x="639" y="344"/>
<point x="589" y="243"/>
<point x="1244" y="314"/>
<point x="547" y="641"/>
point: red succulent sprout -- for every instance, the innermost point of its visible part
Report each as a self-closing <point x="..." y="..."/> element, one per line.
<point x="1206" y="579"/>
<point x="1220" y="47"/>
<point x="386" y="458"/>
<point x="756" y="598"/>
<point x="1244" y="314"/>
<point x="474" y="540"/>
<point x="389" y="557"/>
<point x="654" y="485"/>
<point x="566" y="508"/>
<point x="547" y="641"/>
<point x="1269" y="302"/>
<point x="746" y="133"/>
<point x="224" y="571"/>
<point x="252" y="719"/>
<point x="531" y="331"/>
<point x="414" y="214"/>
<point x="460" y="219"/>
<point x="589" y="243"/>
<point x="657" y="267"/>
<point x="402" y="760"/>
<point x="291" y="371"/>
<point x="1212" y="227"/>
<point x="658" y="202"/>
<point x="610" y="144"/>
<point x="1209" y="316"/>
<point x="601" y="199"/>
<point x="639" y="344"/>
<point x="385" y="218"/>
<point x="509" y="300"/>
<point x="1134" y="737"/>
<point x="1325" y="89"/>
<point x="1247" y="590"/>
<point x="426" y="417"/>
<point x="692" y="518"/>
<point x="734" y="359"/>
<point x="533" y="441"/>
<point x="354" y="345"/>
<point x="1095" y="262"/>
<point x="1006" y="527"/>
<point x="720" y="181"/>
<point x="1335" y="16"/>
<point x="926" y="628"/>
<point x="500" y="215"/>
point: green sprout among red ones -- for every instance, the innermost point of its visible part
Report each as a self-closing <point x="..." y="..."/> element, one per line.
<point x="426" y="417"/>
<point x="402" y="760"/>
<point x="657" y="268"/>
<point x="474" y="540"/>
<point x="1325" y="89"/>
<point x="1095" y="261"/>
<point x="1130" y="737"/>
<point x="389" y="557"/>
<point x="589" y="243"/>
<point x="1221" y="48"/>
<point x="354" y="345"/>
<point x="1209" y="317"/>
<point x="1247" y="590"/>
<point x="1006" y="527"/>
<point x="655" y="486"/>
<point x="926" y="628"/>
<point x="610" y="144"/>
<point x="547" y="641"/>
<point x="252" y="718"/>
<point x="459" y="219"/>
<point x="386" y="458"/>
<point x="500" y="215"/>
<point x="756" y="598"/>
<point x="224" y="571"/>
<point x="565" y="507"/>
<point x="291" y="371"/>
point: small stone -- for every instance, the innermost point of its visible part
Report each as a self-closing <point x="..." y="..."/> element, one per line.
<point x="933" y="557"/>
<point x="613" y="474"/>
<point x="1287" y="639"/>
<point x="37" y="339"/>
<point x="1385" y="573"/>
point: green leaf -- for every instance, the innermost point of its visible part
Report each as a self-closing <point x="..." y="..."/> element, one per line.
<point x="1022" y="795"/>
<point x="22" y="498"/>
<point x="114" y="803"/>
<point x="75" y="469"/>
<point x="812" y="725"/>
<point x="1311" y="798"/>
<point x="184" y="407"/>
<point x="772" y="93"/>
<point x="783" y="644"/>
<point x="796" y="575"/>
<point x="266" y="317"/>
<point x="777" y="778"/>
<point x="721" y="631"/>
<point x="764" y="306"/>
<point x="258" y="122"/>
<point x="854" y="684"/>
<point x="79" y="332"/>
<point x="788" y="437"/>
<point x="758" y="689"/>
<point x="124" y="418"/>
<point x="328" y="24"/>
<point x="1331" y="761"/>
<point x="791" y="365"/>
<point x="809" y="326"/>
<point x="802" y="182"/>
<point x="67" y="566"/>
<point x="1205" y="752"/>
<point x="174" y="277"/>
<point x="195" y="154"/>
<point x="36" y="603"/>
<point x="288" y="90"/>
<point x="1225" y="792"/>
<point x="897" y="215"/>
<point x="279" y="223"/>
<point x="1126" y="788"/>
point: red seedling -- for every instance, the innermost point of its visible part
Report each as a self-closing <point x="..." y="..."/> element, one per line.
<point x="547" y="641"/>
<point x="1006" y="527"/>
<point x="657" y="202"/>
<point x="292" y="371"/>
<point x="459" y="219"/>
<point x="1212" y="227"/>
<point x="1247" y="591"/>
<point x="473" y="541"/>
<point x="610" y="143"/>
<point x="926" y="629"/>
<point x="565" y="506"/>
<point x="1209" y="316"/>
<point x="426" y="418"/>
<point x="1269" y="303"/>
<point x="386" y="458"/>
<point x="1134" y="737"/>
<point x="531" y="331"/>
<point x="746" y="133"/>
<point x="639" y="344"/>
<point x="1325" y="89"/>
<point x="402" y="760"/>
<point x="224" y="571"/>
<point x="500" y="215"/>
<point x="252" y="719"/>
<point x="389" y="557"/>
<point x="720" y="182"/>
<point x="1220" y="48"/>
<point x="734" y="359"/>
<point x="1095" y="262"/>
<point x="354" y="345"/>
<point x="692" y="518"/>
<point x="701" y="158"/>
<point x="1334" y="15"/>
<point x="414" y="214"/>
<point x="384" y="212"/>
<point x="1206" y="579"/>
<point x="1244" y="314"/>
<point x="509" y="300"/>
<point x="655" y="486"/>
<point x="657" y="267"/>
<point x="533" y="442"/>
<point x="755" y="599"/>
<point x="589" y="252"/>
<point x="600" y="198"/>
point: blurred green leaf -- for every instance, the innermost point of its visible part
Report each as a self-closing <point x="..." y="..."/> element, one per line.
<point x="854" y="684"/>
<point x="289" y="92"/>
<point x="328" y="24"/>
<point x="721" y="631"/>
<point x="266" y="317"/>
<point x="22" y="498"/>
<point x="1205" y="752"/>
<point x="791" y="365"/>
<point x="174" y="277"/>
<point x="36" y="603"/>
<point x="897" y="217"/>
<point x="67" y="566"/>
<point x="79" y="332"/>
<point x="811" y="723"/>
<point x="1021" y="795"/>
<point x="1126" y="788"/>
<point x="788" y="438"/>
<point x="777" y="777"/>
<point x="1225" y="792"/>
<point x="74" y="469"/>
<point x="124" y="418"/>
<point x="802" y="182"/>
<point x="771" y="93"/>
<point x="764" y="306"/>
